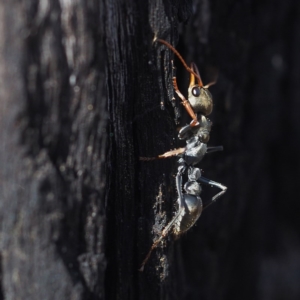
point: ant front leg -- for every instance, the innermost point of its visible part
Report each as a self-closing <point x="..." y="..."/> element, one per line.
<point x="185" y="102"/>
<point x="181" y="170"/>
<point x="222" y="187"/>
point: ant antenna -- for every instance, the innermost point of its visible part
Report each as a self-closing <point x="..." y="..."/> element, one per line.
<point x="181" y="59"/>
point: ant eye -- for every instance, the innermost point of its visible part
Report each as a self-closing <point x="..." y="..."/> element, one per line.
<point x="196" y="91"/>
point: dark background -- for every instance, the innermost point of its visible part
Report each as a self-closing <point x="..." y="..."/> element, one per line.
<point x="81" y="90"/>
<point x="247" y="245"/>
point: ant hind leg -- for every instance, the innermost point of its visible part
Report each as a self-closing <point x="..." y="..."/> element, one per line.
<point x="165" y="232"/>
<point x="222" y="187"/>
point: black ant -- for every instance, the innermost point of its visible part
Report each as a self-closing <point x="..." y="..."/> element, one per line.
<point x="199" y="105"/>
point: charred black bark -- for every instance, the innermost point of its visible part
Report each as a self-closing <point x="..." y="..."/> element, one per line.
<point x="52" y="150"/>
<point x="82" y="86"/>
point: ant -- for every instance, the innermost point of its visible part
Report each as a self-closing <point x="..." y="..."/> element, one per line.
<point x="197" y="133"/>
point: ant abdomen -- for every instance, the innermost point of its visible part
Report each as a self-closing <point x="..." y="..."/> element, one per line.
<point x="193" y="210"/>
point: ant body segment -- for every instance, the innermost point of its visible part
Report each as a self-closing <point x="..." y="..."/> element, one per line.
<point x="197" y="133"/>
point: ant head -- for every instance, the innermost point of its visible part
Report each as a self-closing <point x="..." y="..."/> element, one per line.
<point x="198" y="95"/>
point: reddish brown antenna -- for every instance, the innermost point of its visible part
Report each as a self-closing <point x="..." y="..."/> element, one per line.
<point x="182" y="60"/>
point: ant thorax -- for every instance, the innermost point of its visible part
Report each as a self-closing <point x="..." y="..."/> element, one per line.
<point x="203" y="129"/>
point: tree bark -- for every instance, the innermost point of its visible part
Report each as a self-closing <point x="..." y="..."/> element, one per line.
<point x="52" y="150"/>
<point x="82" y="87"/>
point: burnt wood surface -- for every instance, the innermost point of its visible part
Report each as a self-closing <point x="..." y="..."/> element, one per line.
<point x="82" y="87"/>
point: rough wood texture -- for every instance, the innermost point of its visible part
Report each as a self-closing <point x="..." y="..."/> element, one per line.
<point x="52" y="121"/>
<point x="81" y="90"/>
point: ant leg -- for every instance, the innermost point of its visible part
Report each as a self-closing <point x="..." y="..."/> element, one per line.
<point x="185" y="132"/>
<point x="181" y="209"/>
<point x="222" y="187"/>
<point x="173" y="99"/>
<point x="214" y="149"/>
<point x="185" y="102"/>
<point x="165" y="155"/>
